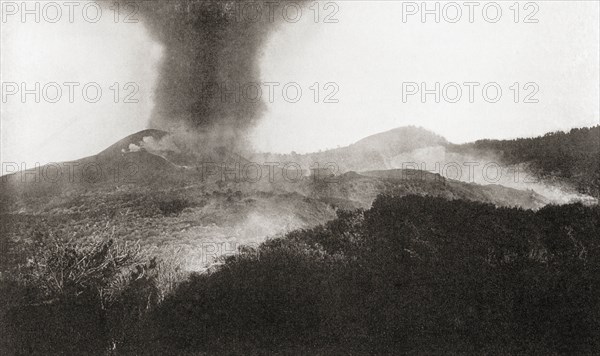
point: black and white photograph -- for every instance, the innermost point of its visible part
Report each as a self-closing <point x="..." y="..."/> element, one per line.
<point x="299" y="177"/>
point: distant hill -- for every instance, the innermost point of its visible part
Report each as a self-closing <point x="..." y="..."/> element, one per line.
<point x="147" y="188"/>
<point x="560" y="165"/>
<point x="374" y="152"/>
<point x="399" y="140"/>
<point x="153" y="158"/>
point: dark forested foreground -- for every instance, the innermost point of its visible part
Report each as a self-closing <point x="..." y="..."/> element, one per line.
<point x="411" y="274"/>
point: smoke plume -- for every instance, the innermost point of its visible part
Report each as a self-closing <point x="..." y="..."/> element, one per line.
<point x="212" y="49"/>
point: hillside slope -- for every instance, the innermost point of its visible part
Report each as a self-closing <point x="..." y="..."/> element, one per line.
<point x="134" y="189"/>
<point x="563" y="157"/>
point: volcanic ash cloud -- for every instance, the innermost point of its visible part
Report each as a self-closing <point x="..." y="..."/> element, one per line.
<point x="211" y="50"/>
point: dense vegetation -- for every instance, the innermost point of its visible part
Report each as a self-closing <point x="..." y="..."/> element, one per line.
<point x="411" y="274"/>
<point x="572" y="156"/>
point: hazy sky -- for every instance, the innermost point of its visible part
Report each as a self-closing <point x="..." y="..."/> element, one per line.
<point x="97" y="54"/>
<point x="367" y="55"/>
<point x="371" y="52"/>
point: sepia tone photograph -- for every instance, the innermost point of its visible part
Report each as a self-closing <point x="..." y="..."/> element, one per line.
<point x="299" y="177"/>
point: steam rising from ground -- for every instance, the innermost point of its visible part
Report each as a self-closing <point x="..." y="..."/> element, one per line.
<point x="486" y="169"/>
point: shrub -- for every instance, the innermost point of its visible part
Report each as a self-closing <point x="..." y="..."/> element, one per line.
<point x="410" y="275"/>
<point x="78" y="298"/>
